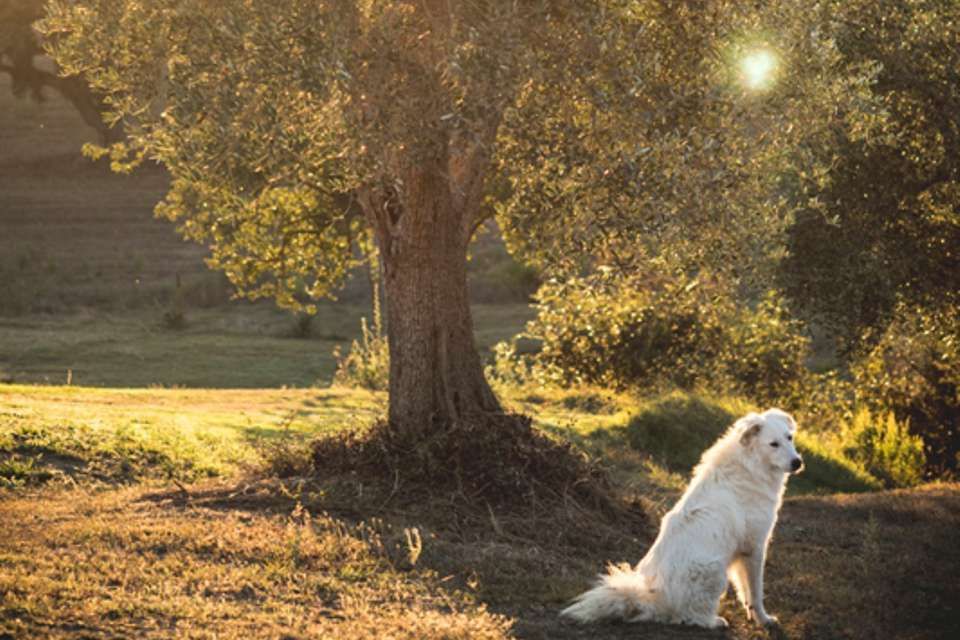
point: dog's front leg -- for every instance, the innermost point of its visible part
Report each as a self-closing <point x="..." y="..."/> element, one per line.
<point x="754" y="570"/>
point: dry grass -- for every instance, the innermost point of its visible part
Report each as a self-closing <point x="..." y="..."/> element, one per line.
<point x="136" y="564"/>
<point x="242" y="560"/>
<point x="239" y="558"/>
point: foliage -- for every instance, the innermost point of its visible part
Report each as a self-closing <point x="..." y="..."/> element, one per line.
<point x="677" y="161"/>
<point x="512" y="368"/>
<point x="769" y="350"/>
<point x="671" y="331"/>
<point x="292" y="128"/>
<point x="884" y="447"/>
<point x="913" y="371"/>
<point x="882" y="224"/>
<point x="284" y="124"/>
<point x="367" y="365"/>
<point x="602" y="330"/>
<point x="822" y="400"/>
<point x="288" y="132"/>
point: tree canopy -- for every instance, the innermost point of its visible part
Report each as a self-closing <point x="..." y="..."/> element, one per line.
<point x="883" y="225"/>
<point x="601" y="133"/>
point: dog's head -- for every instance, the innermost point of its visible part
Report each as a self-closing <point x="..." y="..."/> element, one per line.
<point x="769" y="437"/>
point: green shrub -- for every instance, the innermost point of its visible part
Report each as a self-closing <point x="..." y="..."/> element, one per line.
<point x="367" y="366"/>
<point x="663" y="333"/>
<point x="913" y="371"/>
<point x="603" y="331"/>
<point x="821" y="401"/>
<point x="512" y="367"/>
<point x="768" y="350"/>
<point x="884" y="447"/>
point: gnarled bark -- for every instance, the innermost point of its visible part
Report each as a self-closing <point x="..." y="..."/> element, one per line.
<point x="436" y="374"/>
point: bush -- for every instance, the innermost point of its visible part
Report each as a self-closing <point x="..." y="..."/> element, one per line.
<point x="884" y="447"/>
<point x="367" y="365"/>
<point x="667" y="332"/>
<point x="913" y="371"/>
<point x="768" y="350"/>
<point x="821" y="401"/>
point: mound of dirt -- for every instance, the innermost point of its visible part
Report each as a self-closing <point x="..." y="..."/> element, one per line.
<point x="492" y="467"/>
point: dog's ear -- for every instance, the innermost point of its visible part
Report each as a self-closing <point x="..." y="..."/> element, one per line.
<point x="749" y="426"/>
<point x="783" y="415"/>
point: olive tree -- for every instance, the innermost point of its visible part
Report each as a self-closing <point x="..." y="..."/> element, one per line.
<point x="593" y="129"/>
<point x="883" y="227"/>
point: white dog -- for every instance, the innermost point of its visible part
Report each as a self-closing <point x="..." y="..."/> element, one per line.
<point x="720" y="529"/>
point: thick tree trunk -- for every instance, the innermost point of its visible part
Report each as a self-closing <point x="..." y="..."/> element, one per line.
<point x="436" y="375"/>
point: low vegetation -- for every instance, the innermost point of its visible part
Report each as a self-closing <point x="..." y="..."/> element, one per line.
<point x="144" y="552"/>
<point x="71" y="435"/>
<point x="665" y="331"/>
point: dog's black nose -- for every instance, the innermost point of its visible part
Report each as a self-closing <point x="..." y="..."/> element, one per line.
<point x="795" y="464"/>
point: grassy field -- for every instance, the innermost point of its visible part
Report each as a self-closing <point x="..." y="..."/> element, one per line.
<point x="152" y="513"/>
<point x="242" y="560"/>
<point x="239" y="346"/>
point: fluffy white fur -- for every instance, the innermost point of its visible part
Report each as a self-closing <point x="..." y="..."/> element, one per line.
<point x="718" y="531"/>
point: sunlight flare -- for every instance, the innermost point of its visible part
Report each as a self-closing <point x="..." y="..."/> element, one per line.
<point x="758" y="68"/>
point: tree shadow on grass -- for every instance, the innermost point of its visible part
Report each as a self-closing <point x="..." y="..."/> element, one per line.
<point x="855" y="566"/>
<point x="528" y="577"/>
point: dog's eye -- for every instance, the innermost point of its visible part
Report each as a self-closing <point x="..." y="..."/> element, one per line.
<point x="790" y="438"/>
<point x="774" y="444"/>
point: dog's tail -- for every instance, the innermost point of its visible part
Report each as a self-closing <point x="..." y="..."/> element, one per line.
<point x="621" y="594"/>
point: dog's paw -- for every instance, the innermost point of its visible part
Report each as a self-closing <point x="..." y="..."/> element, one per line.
<point x="761" y="617"/>
<point x="719" y="623"/>
<point x="766" y="620"/>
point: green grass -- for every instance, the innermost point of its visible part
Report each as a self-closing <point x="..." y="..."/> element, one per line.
<point x="243" y="346"/>
<point x="184" y="434"/>
<point x="677" y="428"/>
<point x="74" y="434"/>
<point x="656" y="441"/>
